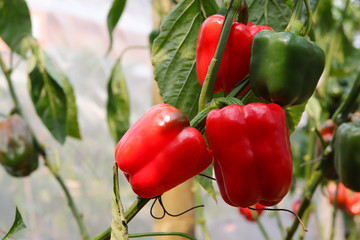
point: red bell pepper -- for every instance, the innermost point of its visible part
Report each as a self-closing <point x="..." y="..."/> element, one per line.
<point x="236" y="59"/>
<point x="248" y="214"/>
<point x="342" y="194"/>
<point x="160" y="151"/>
<point x="327" y="130"/>
<point x="252" y="153"/>
<point x="353" y="204"/>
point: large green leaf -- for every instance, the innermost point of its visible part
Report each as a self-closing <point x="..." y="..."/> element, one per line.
<point x="173" y="54"/>
<point x="293" y="115"/>
<point x="72" y="125"/>
<point x="48" y="95"/>
<point x="15" y="25"/>
<point x="119" y="230"/>
<point x="118" y="109"/>
<point x="113" y="17"/>
<point x="273" y="13"/>
<point x="207" y="183"/>
<point x="17" y="225"/>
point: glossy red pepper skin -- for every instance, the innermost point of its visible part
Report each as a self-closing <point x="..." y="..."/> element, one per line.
<point x="236" y="59"/>
<point x="160" y="151"/>
<point x="248" y="213"/>
<point x="252" y="153"/>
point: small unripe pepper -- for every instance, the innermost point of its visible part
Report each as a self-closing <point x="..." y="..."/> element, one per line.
<point x="160" y="151"/>
<point x="17" y="152"/>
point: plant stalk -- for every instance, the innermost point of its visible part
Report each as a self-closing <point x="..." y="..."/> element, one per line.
<point x="209" y="83"/>
<point x="129" y="215"/>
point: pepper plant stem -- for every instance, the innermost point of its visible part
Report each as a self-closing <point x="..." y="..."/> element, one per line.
<point x="7" y="73"/>
<point x="305" y="202"/>
<point x="139" y="235"/>
<point x="200" y="211"/>
<point x="129" y="215"/>
<point x="262" y="228"/>
<point x="341" y="113"/>
<point x="71" y="203"/>
<point x="209" y="83"/>
<point x="333" y="219"/>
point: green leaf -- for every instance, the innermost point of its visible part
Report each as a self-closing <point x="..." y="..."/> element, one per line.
<point x="72" y="125"/>
<point x="113" y="17"/>
<point x="210" y="7"/>
<point x="173" y="55"/>
<point x="15" y="25"/>
<point x="273" y="13"/>
<point x="207" y="183"/>
<point x="293" y="115"/>
<point x="48" y="95"/>
<point x="118" y="109"/>
<point x="119" y="229"/>
<point x="17" y="225"/>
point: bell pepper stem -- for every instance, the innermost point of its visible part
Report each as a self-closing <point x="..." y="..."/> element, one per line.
<point x="240" y="87"/>
<point x="309" y="18"/>
<point x="243" y="15"/>
<point x="209" y="83"/>
<point x="296" y="15"/>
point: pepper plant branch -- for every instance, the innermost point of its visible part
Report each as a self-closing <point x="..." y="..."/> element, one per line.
<point x="261" y="226"/>
<point x="306" y="199"/>
<point x="343" y="110"/>
<point x="309" y="18"/>
<point x="279" y="223"/>
<point x="129" y="215"/>
<point x="139" y="235"/>
<point x="333" y="218"/>
<point x="71" y="203"/>
<point x="78" y="218"/>
<point x="7" y="73"/>
<point x="209" y="83"/>
<point x="201" y="218"/>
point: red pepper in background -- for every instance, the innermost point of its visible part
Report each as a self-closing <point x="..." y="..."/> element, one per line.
<point x="252" y="153"/>
<point x="327" y="130"/>
<point x="160" y="151"/>
<point x="236" y="59"/>
<point x="296" y="206"/>
<point x="353" y="204"/>
<point x="248" y="213"/>
<point x="341" y="195"/>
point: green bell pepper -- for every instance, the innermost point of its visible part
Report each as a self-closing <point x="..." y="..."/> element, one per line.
<point x="347" y="154"/>
<point x="284" y="67"/>
<point x="17" y="151"/>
